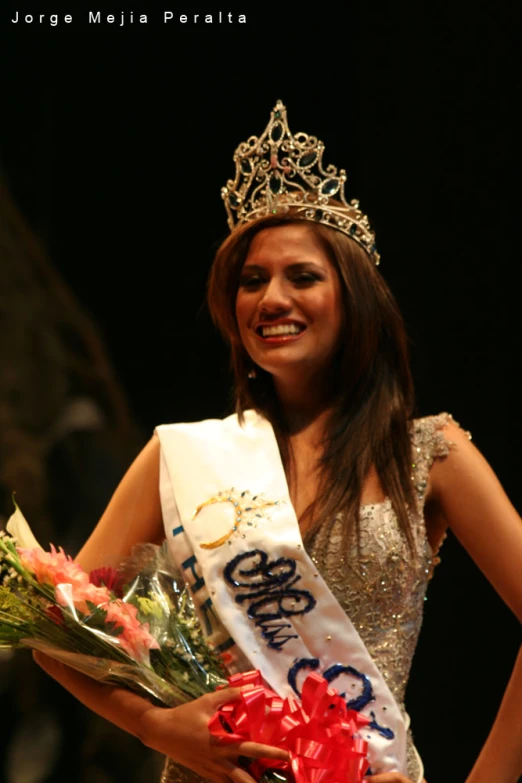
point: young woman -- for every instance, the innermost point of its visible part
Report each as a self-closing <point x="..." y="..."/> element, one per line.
<point x="309" y="521"/>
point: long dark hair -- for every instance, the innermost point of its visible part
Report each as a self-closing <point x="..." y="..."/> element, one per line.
<point x="374" y="397"/>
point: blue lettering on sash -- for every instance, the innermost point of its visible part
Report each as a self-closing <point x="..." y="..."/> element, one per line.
<point x="267" y="588"/>
<point x="177" y="530"/>
<point x="208" y="611"/>
<point x="331" y="674"/>
<point x="388" y="733"/>
<point x="304" y="663"/>
<point x="199" y="582"/>
<point x="367" y="694"/>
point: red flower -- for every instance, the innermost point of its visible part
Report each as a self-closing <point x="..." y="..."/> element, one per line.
<point x="226" y="657"/>
<point x="109" y="578"/>
<point x="55" y="614"/>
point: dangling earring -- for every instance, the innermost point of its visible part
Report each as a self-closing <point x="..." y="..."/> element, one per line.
<point x="252" y="374"/>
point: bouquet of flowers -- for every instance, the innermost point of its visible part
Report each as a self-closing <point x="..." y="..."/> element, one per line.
<point x="137" y="627"/>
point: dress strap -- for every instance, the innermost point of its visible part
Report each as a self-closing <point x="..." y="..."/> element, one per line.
<point x="429" y="443"/>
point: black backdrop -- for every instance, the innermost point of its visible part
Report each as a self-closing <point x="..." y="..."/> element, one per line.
<point x="116" y="141"/>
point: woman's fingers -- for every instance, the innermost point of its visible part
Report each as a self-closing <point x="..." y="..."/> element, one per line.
<point x="388" y="777"/>
<point x="255" y="750"/>
<point x="237" y="774"/>
<point x="218" y="698"/>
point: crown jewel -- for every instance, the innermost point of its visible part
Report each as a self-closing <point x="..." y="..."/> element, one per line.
<point x="277" y="170"/>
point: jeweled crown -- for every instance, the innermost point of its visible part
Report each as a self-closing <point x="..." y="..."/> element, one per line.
<point x="278" y="171"/>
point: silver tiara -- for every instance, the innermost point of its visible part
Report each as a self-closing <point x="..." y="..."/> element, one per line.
<point x="278" y="171"/>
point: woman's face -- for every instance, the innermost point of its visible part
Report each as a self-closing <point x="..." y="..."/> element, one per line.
<point x="288" y="304"/>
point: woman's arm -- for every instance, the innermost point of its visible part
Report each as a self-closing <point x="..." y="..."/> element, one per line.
<point x="467" y="494"/>
<point x="501" y="755"/>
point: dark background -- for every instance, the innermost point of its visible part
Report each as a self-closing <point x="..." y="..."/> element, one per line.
<point x="115" y="142"/>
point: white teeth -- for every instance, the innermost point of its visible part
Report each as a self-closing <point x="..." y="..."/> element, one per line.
<point x="271" y="331"/>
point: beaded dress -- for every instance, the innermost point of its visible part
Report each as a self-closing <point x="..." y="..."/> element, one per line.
<point x="378" y="583"/>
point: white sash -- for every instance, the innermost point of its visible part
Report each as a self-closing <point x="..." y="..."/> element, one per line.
<point x="232" y="529"/>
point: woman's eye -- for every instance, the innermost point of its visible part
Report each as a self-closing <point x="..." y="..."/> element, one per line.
<point x="250" y="282"/>
<point x="304" y="278"/>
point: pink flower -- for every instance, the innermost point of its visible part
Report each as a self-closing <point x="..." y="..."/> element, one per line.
<point x="135" y="637"/>
<point x="80" y="596"/>
<point x="74" y="590"/>
<point x="54" y="567"/>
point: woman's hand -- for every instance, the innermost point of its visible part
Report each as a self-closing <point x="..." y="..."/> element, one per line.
<point x="182" y="734"/>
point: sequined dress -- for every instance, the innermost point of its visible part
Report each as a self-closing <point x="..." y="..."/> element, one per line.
<point x="378" y="584"/>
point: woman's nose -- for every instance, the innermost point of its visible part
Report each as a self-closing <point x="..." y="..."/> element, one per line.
<point x="275" y="298"/>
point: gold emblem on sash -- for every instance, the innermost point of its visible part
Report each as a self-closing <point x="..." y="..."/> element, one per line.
<point x="248" y="510"/>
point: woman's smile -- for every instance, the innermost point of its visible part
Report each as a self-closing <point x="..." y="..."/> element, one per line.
<point x="281" y="330"/>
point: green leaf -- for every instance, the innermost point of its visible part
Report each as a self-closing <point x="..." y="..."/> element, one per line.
<point x="113" y="629"/>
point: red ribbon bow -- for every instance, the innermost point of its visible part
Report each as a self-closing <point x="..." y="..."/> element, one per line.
<point x="319" y="735"/>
